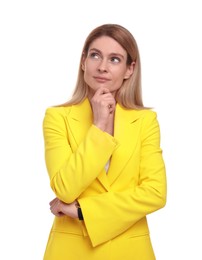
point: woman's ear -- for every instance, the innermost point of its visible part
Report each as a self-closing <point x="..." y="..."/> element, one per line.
<point x="130" y="70"/>
<point x="82" y="66"/>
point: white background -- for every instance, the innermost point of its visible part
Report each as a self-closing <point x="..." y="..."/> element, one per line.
<point x="40" y="46"/>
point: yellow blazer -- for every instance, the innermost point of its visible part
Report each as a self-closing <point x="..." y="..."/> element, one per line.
<point x="114" y="203"/>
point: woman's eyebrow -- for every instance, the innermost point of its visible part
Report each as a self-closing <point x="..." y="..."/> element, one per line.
<point x="111" y="54"/>
<point x="117" y="54"/>
<point x="94" y="49"/>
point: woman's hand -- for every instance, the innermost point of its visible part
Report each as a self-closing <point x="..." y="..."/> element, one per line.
<point x="59" y="208"/>
<point x="103" y="106"/>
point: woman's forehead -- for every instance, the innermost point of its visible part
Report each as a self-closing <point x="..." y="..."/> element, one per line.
<point x="107" y="44"/>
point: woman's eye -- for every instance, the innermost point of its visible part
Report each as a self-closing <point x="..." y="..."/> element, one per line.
<point x="94" y="55"/>
<point x="115" y="60"/>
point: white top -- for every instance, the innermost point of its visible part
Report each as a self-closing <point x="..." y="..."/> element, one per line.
<point x="107" y="166"/>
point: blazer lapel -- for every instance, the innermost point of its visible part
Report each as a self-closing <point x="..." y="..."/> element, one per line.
<point x="126" y="131"/>
<point x="80" y="119"/>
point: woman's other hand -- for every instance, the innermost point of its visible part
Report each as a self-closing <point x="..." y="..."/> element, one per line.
<point x="60" y="208"/>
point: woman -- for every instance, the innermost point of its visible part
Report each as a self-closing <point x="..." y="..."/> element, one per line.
<point x="103" y="156"/>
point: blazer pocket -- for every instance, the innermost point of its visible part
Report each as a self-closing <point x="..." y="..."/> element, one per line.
<point x="67" y="225"/>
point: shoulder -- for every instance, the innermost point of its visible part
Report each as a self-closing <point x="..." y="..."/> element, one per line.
<point x="148" y="114"/>
<point x="147" y="118"/>
<point x="134" y="115"/>
<point x="66" y="110"/>
<point x="139" y="113"/>
<point x="149" y="123"/>
<point x="56" y="116"/>
<point x="58" y="111"/>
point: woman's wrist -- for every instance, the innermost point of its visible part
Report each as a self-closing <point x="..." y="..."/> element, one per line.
<point x="79" y="211"/>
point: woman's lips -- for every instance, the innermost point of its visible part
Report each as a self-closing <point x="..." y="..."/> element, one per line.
<point x="101" y="79"/>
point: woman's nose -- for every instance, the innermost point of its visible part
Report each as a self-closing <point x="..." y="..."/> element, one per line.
<point x="102" y="66"/>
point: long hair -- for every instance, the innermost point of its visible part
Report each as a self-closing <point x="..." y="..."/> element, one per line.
<point x="129" y="95"/>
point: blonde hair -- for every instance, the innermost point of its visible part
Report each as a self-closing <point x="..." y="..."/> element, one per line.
<point x="130" y="94"/>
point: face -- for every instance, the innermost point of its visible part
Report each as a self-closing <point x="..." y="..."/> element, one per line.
<point x="105" y="65"/>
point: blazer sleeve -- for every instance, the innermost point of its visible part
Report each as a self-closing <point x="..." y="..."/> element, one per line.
<point x="71" y="172"/>
<point x="109" y="214"/>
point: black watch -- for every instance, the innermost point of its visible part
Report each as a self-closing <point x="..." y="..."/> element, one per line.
<point x="80" y="215"/>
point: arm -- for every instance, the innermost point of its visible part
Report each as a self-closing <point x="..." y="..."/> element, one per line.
<point x="110" y="214"/>
<point x="71" y="172"/>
